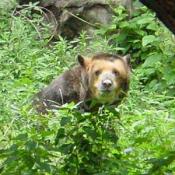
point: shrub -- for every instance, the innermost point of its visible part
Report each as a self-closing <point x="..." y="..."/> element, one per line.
<point x="150" y="44"/>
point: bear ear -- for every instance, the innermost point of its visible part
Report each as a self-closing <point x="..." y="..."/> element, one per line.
<point x="127" y="59"/>
<point x="81" y="60"/>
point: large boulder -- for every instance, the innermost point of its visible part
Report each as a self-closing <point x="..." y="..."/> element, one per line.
<point x="70" y="17"/>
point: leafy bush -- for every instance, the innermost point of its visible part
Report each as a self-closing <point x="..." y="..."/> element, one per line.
<point x="151" y="45"/>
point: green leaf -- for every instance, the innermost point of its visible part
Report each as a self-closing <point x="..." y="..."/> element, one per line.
<point x="66" y="148"/>
<point x="120" y="37"/>
<point x="148" y="39"/>
<point x="31" y="145"/>
<point x="169" y="75"/>
<point x="22" y="137"/>
<point x="90" y="132"/>
<point x="152" y="26"/>
<point x="65" y="120"/>
<point x="60" y="134"/>
<point x="144" y="20"/>
<point x="152" y="60"/>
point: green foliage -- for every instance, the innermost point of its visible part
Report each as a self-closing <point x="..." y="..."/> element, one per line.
<point x="135" y="138"/>
<point x="88" y="142"/>
<point x="151" y="45"/>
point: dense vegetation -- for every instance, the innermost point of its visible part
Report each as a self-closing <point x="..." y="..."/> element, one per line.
<point x="138" y="137"/>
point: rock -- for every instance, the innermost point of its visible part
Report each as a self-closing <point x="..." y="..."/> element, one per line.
<point x="70" y="17"/>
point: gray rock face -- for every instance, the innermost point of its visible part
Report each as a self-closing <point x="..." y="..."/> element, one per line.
<point x="70" y="17"/>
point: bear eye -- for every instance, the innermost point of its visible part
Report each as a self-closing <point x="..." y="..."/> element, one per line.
<point x="115" y="72"/>
<point x="97" y="72"/>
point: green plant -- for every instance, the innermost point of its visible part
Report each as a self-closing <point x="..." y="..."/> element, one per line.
<point x="150" y="44"/>
<point x="88" y="142"/>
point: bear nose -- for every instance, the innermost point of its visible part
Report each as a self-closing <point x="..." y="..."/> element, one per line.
<point x="107" y="83"/>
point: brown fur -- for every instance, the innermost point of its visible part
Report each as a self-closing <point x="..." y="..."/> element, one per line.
<point x="82" y="83"/>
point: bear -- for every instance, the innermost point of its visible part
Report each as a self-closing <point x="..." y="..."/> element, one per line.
<point x="101" y="79"/>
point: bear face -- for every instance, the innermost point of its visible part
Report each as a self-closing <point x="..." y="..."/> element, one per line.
<point x="107" y="75"/>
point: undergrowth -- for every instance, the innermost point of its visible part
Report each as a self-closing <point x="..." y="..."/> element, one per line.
<point x="135" y="138"/>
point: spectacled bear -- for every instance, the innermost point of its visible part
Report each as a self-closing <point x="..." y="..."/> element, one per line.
<point x="103" y="79"/>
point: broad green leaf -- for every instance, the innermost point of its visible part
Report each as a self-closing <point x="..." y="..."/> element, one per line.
<point x="148" y="39"/>
<point x="152" y="26"/>
<point x="152" y="60"/>
<point x="144" y="20"/>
